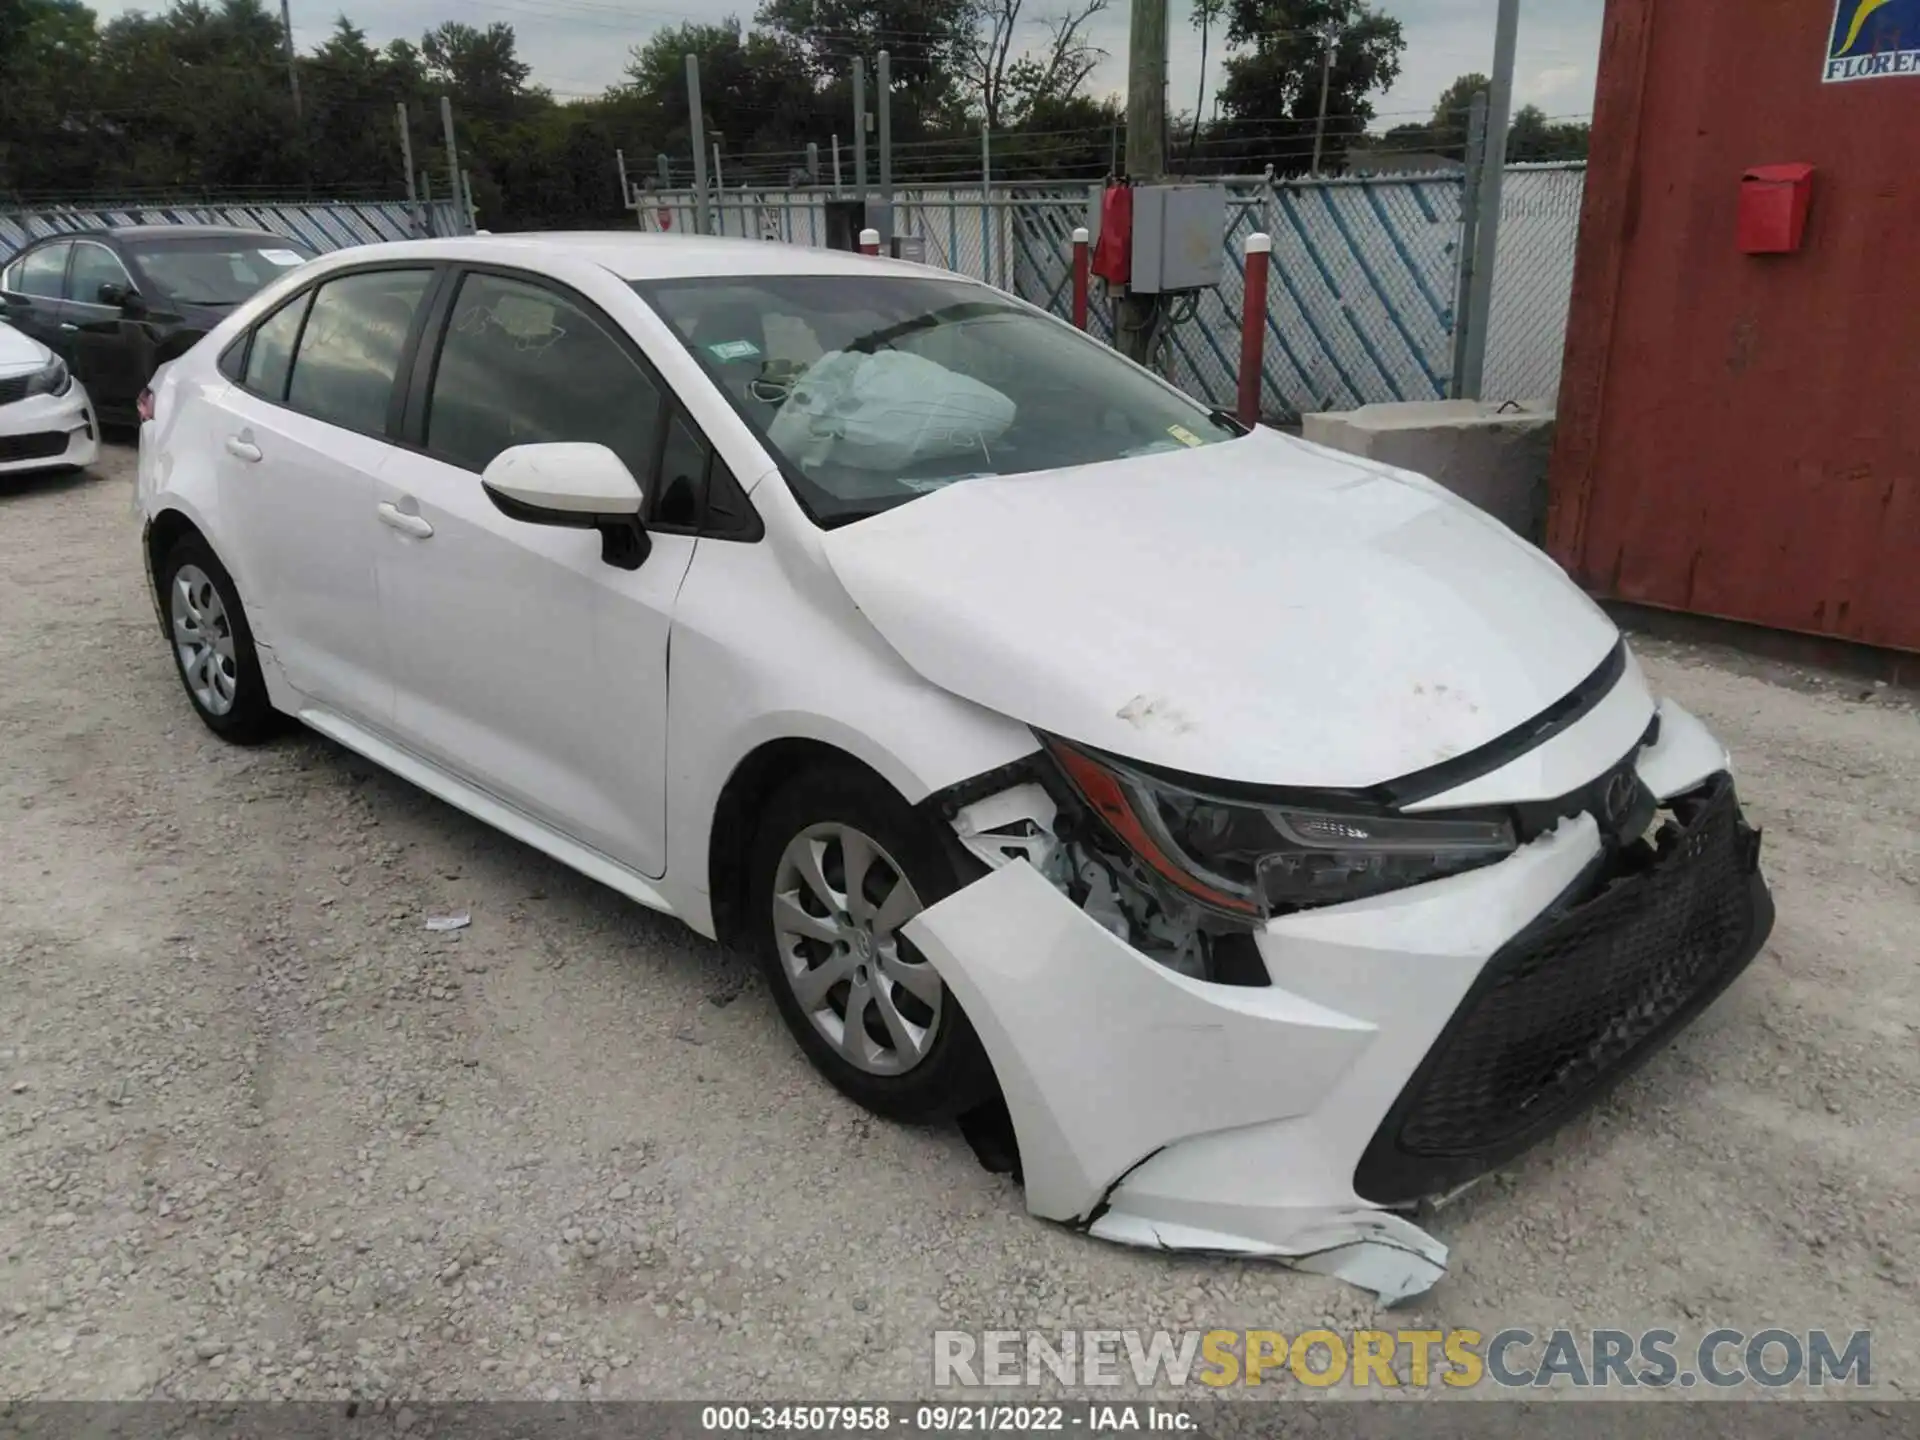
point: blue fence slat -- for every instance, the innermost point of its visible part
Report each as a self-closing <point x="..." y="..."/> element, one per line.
<point x="1392" y="232"/>
<point x="324" y="225"/>
<point x="1384" y="295"/>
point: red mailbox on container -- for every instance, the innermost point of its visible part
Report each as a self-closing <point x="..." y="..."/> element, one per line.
<point x="1774" y="200"/>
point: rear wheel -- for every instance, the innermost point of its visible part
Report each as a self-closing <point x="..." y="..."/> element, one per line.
<point x="840" y="864"/>
<point x="212" y="644"/>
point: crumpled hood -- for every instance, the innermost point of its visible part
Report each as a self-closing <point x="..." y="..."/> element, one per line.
<point x="1260" y="610"/>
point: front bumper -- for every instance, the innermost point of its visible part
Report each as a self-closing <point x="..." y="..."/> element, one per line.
<point x="1406" y="1044"/>
<point x="44" y="431"/>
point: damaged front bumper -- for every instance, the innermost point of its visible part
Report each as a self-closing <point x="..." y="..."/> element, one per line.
<point x="1404" y="1045"/>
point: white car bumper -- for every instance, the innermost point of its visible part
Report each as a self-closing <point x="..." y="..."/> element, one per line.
<point x="1405" y="1043"/>
<point x="42" y="431"/>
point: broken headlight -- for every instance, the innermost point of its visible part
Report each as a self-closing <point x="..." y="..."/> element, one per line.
<point x="1250" y="858"/>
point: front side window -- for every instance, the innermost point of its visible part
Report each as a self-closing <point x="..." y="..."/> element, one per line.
<point x="873" y="390"/>
<point x="522" y="364"/>
<point x="43" y="274"/>
<point x="216" y="270"/>
<point x="270" y="356"/>
<point x="350" y="348"/>
<point x="94" y="266"/>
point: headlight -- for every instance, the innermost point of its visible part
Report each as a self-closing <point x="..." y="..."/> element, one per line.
<point x="1252" y="859"/>
<point x="50" y="379"/>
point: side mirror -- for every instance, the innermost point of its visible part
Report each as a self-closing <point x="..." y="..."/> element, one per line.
<point x="124" y="296"/>
<point x="576" y="485"/>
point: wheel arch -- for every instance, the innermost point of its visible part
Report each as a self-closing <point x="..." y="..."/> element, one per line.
<point x="165" y="530"/>
<point x="753" y="782"/>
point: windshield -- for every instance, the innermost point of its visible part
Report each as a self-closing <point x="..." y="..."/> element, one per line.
<point x="874" y="390"/>
<point x="217" y="269"/>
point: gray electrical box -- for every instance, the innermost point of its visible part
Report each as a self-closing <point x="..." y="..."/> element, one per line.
<point x="910" y="247"/>
<point x="1178" y="237"/>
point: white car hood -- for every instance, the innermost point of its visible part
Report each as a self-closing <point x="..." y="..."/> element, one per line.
<point x="1260" y="610"/>
<point x="19" y="351"/>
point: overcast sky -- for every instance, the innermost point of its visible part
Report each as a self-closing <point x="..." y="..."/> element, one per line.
<point x="580" y="46"/>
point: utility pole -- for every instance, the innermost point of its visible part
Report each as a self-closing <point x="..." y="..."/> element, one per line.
<point x="1469" y="244"/>
<point x="1493" y="166"/>
<point x="1140" y="316"/>
<point x="1326" y="85"/>
<point x="406" y="161"/>
<point x="883" y="79"/>
<point x="293" y="71"/>
<point x="860" y="128"/>
<point x="453" y="153"/>
<point x="701" y="225"/>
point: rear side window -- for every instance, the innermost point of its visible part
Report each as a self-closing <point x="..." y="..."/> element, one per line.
<point x="43" y="273"/>
<point x="523" y="364"/>
<point x="270" y="356"/>
<point x="350" y="348"/>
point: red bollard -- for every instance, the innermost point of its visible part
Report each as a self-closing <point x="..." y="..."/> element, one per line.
<point x="1253" y="327"/>
<point x="869" y="242"/>
<point x="1080" y="263"/>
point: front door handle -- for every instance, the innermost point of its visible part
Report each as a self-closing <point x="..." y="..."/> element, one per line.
<point x="414" y="525"/>
<point x="68" y="326"/>
<point x="242" y="449"/>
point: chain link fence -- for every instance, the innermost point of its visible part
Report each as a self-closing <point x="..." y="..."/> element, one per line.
<point x="323" y="225"/>
<point x="1362" y="292"/>
<point x="1533" y="281"/>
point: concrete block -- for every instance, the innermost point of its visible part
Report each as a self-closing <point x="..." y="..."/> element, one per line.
<point x="1493" y="455"/>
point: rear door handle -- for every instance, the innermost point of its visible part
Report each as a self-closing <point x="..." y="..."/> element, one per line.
<point x="414" y="525"/>
<point x="242" y="449"/>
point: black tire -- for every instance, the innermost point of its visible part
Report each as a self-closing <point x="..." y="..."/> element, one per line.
<point x="954" y="1075"/>
<point x="250" y="719"/>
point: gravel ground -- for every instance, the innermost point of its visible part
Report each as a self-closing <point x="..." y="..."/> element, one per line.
<point x="262" y="1134"/>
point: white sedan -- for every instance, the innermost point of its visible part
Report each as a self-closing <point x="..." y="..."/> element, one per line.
<point x="1282" y="840"/>
<point x="46" y="419"/>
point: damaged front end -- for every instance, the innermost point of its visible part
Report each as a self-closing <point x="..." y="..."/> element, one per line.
<point x="1213" y="1063"/>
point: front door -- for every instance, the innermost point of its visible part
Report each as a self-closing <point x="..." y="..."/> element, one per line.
<point x="526" y="664"/>
<point x="303" y="437"/>
<point x="112" y="353"/>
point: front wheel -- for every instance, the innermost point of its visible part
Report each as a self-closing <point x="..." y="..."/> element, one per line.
<point x="840" y="864"/>
<point x="213" y="645"/>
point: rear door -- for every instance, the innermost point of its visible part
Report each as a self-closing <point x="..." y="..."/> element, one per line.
<point x="34" y="289"/>
<point x="304" y="433"/>
<point x="531" y="667"/>
<point x="112" y="353"/>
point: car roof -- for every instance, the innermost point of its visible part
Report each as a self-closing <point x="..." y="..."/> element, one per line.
<point x="169" y="232"/>
<point x="634" y="255"/>
<point x="195" y="232"/>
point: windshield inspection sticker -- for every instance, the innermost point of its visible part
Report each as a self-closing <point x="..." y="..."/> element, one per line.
<point x="733" y="350"/>
<point x="283" y="257"/>
<point x="1183" y="435"/>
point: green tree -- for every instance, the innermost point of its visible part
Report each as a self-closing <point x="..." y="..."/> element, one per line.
<point x="1272" y="90"/>
<point x="50" y="134"/>
<point x="1533" y="137"/>
<point x="1453" y="113"/>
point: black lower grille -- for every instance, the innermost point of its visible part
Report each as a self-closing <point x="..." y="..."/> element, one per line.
<point x="13" y="388"/>
<point x="43" y="445"/>
<point x="1574" y="1002"/>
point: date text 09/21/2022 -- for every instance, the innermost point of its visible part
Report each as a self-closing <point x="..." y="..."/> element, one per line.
<point x="945" y="1418"/>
